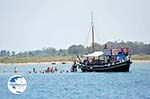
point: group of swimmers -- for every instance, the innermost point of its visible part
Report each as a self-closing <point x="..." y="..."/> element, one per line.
<point x="51" y="70"/>
<point x="48" y="70"/>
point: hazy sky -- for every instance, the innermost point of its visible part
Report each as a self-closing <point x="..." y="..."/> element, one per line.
<point x="34" y="24"/>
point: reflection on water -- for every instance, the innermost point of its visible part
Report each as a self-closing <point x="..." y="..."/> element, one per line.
<point x="134" y="84"/>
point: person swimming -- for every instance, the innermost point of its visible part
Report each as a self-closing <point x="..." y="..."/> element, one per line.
<point x="48" y="70"/>
<point x="15" y="70"/>
<point x="34" y="71"/>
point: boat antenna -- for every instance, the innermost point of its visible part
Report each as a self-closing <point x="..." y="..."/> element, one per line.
<point x="92" y="25"/>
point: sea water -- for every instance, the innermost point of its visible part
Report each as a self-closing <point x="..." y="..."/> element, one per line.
<point x="131" y="85"/>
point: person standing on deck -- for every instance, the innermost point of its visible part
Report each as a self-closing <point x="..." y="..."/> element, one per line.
<point x="86" y="61"/>
<point x="78" y="59"/>
<point x="122" y="55"/>
<point x="107" y="54"/>
<point x="93" y="61"/>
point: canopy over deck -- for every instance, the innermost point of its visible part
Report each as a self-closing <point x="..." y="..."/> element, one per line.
<point x="95" y="54"/>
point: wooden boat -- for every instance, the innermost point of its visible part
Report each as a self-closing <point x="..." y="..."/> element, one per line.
<point x="117" y="67"/>
<point x="111" y="66"/>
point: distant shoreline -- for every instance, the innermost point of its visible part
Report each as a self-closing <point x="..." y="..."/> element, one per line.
<point x="32" y="63"/>
<point x="60" y="62"/>
<point x="57" y="59"/>
<point x="140" y="61"/>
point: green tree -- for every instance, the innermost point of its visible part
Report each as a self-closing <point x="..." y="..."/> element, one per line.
<point x="76" y="49"/>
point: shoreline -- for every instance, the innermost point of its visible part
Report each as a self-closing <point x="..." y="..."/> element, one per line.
<point x="34" y="63"/>
<point x="140" y="61"/>
<point x="60" y="62"/>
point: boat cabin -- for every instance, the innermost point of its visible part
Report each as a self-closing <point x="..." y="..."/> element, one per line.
<point x="109" y="56"/>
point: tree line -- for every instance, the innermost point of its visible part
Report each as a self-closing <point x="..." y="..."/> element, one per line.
<point x="136" y="48"/>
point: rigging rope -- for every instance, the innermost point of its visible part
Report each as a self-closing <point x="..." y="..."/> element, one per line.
<point x="88" y="37"/>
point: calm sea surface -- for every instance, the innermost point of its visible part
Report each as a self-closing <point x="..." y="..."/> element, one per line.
<point x="132" y="85"/>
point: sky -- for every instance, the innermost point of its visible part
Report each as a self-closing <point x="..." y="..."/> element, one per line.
<point x="37" y="24"/>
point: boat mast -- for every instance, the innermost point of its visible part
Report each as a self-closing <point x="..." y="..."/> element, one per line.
<point x="92" y="25"/>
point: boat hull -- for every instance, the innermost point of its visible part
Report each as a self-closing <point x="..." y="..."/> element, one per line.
<point x="118" y="67"/>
